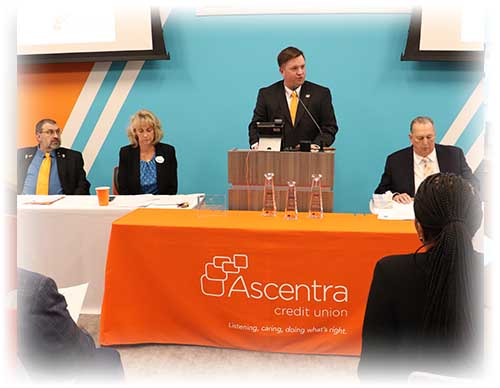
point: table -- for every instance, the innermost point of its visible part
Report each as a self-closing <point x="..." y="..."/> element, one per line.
<point x="68" y="239"/>
<point x="237" y="279"/>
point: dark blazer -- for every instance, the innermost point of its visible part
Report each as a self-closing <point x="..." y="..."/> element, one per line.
<point x="272" y="104"/>
<point x="399" y="176"/>
<point x="129" y="180"/>
<point x="50" y="344"/>
<point x="391" y="345"/>
<point x="69" y="166"/>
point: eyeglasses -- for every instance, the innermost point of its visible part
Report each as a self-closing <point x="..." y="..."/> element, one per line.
<point x="52" y="132"/>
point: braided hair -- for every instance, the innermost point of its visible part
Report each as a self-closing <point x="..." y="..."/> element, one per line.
<point x="449" y="212"/>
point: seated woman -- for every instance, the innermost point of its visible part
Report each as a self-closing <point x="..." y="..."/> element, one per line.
<point x="146" y="165"/>
<point x="424" y="310"/>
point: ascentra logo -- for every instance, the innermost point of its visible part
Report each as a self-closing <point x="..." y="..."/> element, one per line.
<point x="215" y="281"/>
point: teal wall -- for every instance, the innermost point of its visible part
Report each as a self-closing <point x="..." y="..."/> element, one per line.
<point x="206" y="93"/>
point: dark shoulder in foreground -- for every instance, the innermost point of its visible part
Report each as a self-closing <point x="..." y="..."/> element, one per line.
<point x="396" y="260"/>
<point x="28" y="284"/>
<point x="24" y="276"/>
<point x="401" y="262"/>
<point x="401" y="267"/>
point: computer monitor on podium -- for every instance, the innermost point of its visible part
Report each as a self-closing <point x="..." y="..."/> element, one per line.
<point x="270" y="134"/>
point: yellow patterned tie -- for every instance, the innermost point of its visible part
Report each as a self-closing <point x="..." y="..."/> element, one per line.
<point x="42" y="184"/>
<point x="428" y="169"/>
<point x="293" y="106"/>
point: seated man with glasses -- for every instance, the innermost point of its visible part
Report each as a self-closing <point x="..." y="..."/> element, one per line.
<point x="48" y="168"/>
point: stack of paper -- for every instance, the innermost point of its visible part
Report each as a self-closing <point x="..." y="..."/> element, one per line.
<point x="43" y="199"/>
<point x="399" y="211"/>
<point x="132" y="201"/>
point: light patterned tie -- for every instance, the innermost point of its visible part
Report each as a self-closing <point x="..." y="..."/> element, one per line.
<point x="293" y="106"/>
<point x="42" y="184"/>
<point x="428" y="169"/>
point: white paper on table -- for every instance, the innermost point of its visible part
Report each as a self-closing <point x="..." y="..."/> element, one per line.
<point x="172" y="201"/>
<point x="74" y="298"/>
<point x="381" y="201"/>
<point x="180" y="201"/>
<point x="42" y="199"/>
<point x="132" y="201"/>
<point x="399" y="211"/>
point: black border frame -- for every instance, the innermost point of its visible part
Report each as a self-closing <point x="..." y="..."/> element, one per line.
<point x="158" y="52"/>
<point x="413" y="53"/>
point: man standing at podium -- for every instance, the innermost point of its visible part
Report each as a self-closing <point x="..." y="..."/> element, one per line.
<point x="305" y="108"/>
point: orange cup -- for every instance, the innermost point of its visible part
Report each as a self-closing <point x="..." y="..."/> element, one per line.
<point x="102" y="195"/>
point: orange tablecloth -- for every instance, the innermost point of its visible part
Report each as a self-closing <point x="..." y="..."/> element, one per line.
<point x="240" y="280"/>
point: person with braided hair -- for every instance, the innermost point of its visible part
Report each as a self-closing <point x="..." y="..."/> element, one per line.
<point x="424" y="310"/>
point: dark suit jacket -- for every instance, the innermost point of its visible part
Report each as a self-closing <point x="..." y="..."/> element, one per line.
<point x="272" y="104"/>
<point x="399" y="176"/>
<point x="129" y="180"/>
<point x="391" y="344"/>
<point x="69" y="166"/>
<point x="50" y="343"/>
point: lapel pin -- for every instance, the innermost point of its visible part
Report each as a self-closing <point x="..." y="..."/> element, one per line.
<point x="308" y="95"/>
<point x="160" y="159"/>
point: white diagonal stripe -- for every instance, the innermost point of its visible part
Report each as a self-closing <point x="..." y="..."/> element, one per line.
<point x="464" y="116"/>
<point x="84" y="102"/>
<point x="114" y="104"/>
<point x="164" y="14"/>
<point x="476" y="153"/>
<point x="110" y="111"/>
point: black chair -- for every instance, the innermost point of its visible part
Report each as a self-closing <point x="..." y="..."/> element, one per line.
<point x="114" y="185"/>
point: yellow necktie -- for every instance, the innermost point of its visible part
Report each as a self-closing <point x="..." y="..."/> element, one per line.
<point x="42" y="184"/>
<point x="293" y="106"/>
<point x="428" y="170"/>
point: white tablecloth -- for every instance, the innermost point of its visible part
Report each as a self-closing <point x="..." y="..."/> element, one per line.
<point x="68" y="240"/>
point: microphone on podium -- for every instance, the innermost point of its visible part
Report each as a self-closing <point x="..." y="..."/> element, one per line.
<point x="315" y="123"/>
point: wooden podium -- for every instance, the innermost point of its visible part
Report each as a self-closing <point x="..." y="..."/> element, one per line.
<point x="246" y="171"/>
